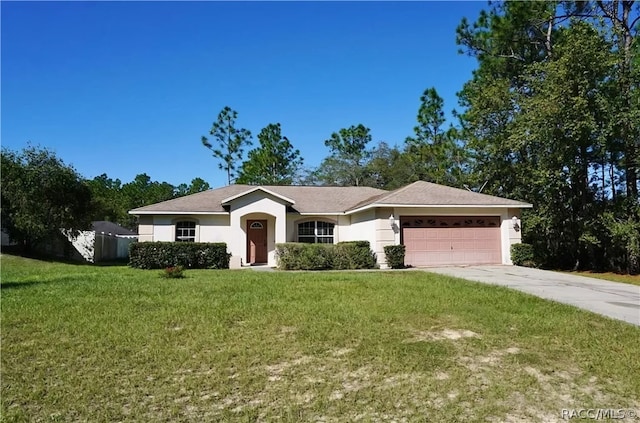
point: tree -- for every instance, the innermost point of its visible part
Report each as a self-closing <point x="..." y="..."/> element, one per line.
<point x="142" y="191"/>
<point x="274" y="162"/>
<point x="346" y="165"/>
<point x="389" y="168"/>
<point x="197" y="185"/>
<point x="549" y="118"/>
<point x="40" y="196"/>
<point x="107" y="199"/>
<point x="433" y="153"/>
<point x="229" y="142"/>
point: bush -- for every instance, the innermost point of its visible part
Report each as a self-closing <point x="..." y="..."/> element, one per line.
<point x="190" y="255"/>
<point x="301" y="256"/>
<point x="344" y="255"/>
<point x="173" y="272"/>
<point x="522" y="255"/>
<point x="395" y="256"/>
<point x="353" y="255"/>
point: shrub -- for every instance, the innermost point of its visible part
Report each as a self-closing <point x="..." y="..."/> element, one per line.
<point x="301" y="256"/>
<point x="191" y="255"/>
<point x="173" y="272"/>
<point x="344" y="255"/>
<point x="353" y="255"/>
<point x="395" y="256"/>
<point x="522" y="255"/>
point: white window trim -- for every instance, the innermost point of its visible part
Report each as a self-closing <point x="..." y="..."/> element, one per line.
<point x="196" y="229"/>
<point x="315" y="235"/>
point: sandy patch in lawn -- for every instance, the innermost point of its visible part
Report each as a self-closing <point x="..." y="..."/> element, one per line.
<point x="279" y="368"/>
<point x="477" y="363"/>
<point x="341" y="351"/>
<point x="445" y="334"/>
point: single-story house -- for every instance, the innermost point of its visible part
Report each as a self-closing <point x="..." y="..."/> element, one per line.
<point x="439" y="225"/>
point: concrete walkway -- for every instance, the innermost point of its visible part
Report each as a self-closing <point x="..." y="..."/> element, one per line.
<point x="616" y="300"/>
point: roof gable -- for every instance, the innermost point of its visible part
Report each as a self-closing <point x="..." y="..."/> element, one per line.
<point x="228" y="200"/>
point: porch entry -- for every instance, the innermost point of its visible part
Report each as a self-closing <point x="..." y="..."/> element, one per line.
<point x="256" y="241"/>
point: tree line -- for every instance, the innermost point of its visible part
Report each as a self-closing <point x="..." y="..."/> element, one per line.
<point x="550" y="116"/>
<point x="41" y="194"/>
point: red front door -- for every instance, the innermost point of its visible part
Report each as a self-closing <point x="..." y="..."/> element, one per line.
<point x="256" y="241"/>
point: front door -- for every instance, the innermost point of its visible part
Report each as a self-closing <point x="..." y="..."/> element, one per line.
<point x="256" y="241"/>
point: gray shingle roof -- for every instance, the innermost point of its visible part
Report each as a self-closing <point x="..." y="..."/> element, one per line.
<point x="315" y="199"/>
<point x="421" y="193"/>
<point x="110" y="228"/>
<point x="308" y="199"/>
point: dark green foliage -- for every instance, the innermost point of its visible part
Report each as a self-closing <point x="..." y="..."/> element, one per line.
<point x="40" y="196"/>
<point x="173" y="272"/>
<point x="274" y="162"/>
<point x="191" y="255"/>
<point x="395" y="256"/>
<point x="389" y="168"/>
<point x="300" y="256"/>
<point x="353" y="255"/>
<point x="344" y="255"/>
<point x="229" y="142"/>
<point x="523" y="255"/>
<point x="548" y="118"/>
<point x="433" y="152"/>
<point x="197" y="185"/>
<point x="112" y="200"/>
<point x="346" y="166"/>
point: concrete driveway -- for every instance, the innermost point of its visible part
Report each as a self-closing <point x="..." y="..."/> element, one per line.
<point x="617" y="300"/>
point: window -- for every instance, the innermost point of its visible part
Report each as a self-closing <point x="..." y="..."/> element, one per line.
<point x="315" y="232"/>
<point x="186" y="231"/>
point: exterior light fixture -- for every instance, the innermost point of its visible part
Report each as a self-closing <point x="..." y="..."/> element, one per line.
<point x="516" y="223"/>
<point x="392" y="221"/>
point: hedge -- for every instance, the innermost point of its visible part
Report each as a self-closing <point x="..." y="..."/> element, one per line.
<point x="353" y="255"/>
<point x="192" y="255"/>
<point x="522" y="255"/>
<point x="395" y="256"/>
<point x="344" y="255"/>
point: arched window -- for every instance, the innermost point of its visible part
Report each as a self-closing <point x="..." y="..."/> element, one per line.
<point x="186" y="231"/>
<point x="315" y="232"/>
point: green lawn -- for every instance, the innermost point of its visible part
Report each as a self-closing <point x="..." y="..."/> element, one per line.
<point x="85" y="343"/>
<point x="609" y="276"/>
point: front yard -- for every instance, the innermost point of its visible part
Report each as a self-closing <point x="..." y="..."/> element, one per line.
<point x="118" y="344"/>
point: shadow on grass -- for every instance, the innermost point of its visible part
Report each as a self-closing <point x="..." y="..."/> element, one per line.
<point x="31" y="282"/>
<point x="63" y="260"/>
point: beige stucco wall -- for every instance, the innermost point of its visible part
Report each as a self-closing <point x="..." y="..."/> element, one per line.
<point x="363" y="228"/>
<point x="385" y="234"/>
<point x="256" y="205"/>
<point x="145" y="228"/>
<point x="209" y="228"/>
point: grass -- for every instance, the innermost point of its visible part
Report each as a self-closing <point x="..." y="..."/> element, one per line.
<point x="118" y="344"/>
<point x="609" y="276"/>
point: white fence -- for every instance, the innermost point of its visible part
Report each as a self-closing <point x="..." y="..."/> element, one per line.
<point x="95" y="247"/>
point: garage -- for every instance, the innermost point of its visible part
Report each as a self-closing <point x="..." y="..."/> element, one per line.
<point x="451" y="240"/>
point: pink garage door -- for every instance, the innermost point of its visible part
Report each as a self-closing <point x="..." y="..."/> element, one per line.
<point x="437" y="241"/>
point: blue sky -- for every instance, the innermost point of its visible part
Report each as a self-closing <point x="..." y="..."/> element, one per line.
<point x="124" y="88"/>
